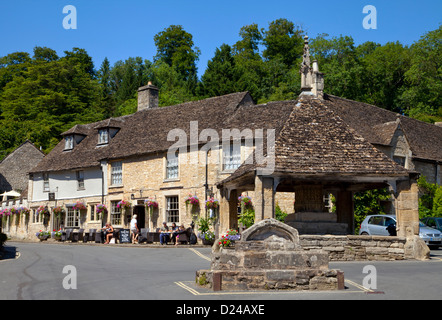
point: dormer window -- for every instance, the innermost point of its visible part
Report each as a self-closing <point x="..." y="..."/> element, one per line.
<point x="68" y="143"/>
<point x="103" y="136"/>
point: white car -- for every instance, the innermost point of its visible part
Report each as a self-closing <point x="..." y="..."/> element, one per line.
<point x="385" y="225"/>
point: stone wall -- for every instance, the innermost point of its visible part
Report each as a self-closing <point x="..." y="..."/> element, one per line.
<point x="357" y="248"/>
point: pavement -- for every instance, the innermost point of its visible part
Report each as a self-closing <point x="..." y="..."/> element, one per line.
<point x="53" y="271"/>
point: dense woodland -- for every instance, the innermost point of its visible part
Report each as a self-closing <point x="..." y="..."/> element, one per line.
<point x="43" y="94"/>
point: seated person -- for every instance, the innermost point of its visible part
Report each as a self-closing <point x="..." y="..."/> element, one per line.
<point x="164" y="234"/>
<point x="109" y="232"/>
<point x="181" y="231"/>
<point x="174" y="231"/>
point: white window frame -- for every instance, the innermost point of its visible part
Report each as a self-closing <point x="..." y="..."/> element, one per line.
<point x="232" y="157"/>
<point x="103" y="136"/>
<point x="115" y="214"/>
<point x="72" y="217"/>
<point x="68" y="143"/>
<point x="116" y="178"/>
<point x="172" y="209"/>
<point x="172" y="168"/>
<point x="80" y="180"/>
<point x="45" y="182"/>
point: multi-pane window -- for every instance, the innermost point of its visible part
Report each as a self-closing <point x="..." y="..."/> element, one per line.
<point x="172" y="209"/>
<point x="92" y="207"/>
<point x="232" y="157"/>
<point x="117" y="173"/>
<point x="68" y="142"/>
<point x="72" y="217"/>
<point x="45" y="182"/>
<point x="172" y="167"/>
<point x="103" y="136"/>
<point x="80" y="180"/>
<point x="115" y="213"/>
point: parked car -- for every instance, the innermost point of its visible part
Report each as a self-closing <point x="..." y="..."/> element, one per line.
<point x="382" y="225"/>
<point x="433" y="222"/>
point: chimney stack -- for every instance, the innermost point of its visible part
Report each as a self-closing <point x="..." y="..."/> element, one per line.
<point x="312" y="81"/>
<point x="147" y="97"/>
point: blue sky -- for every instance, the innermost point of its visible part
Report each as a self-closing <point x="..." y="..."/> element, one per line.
<point x="122" y="29"/>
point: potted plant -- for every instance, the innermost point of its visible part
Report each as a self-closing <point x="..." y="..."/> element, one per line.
<point x="43" y="235"/>
<point x="228" y="240"/>
<point x="207" y="236"/>
<point x="56" y="235"/>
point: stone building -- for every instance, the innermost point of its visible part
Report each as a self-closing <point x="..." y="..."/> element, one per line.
<point x="223" y="146"/>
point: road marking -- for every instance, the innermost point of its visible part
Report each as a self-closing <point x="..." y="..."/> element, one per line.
<point x="358" y="286"/>
<point x="196" y="293"/>
<point x="200" y="254"/>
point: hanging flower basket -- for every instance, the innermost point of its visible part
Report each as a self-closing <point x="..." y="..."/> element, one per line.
<point x="192" y="201"/>
<point x="101" y="208"/>
<point x="212" y="203"/>
<point x="79" y="206"/>
<point x="245" y="202"/>
<point x="123" y="204"/>
<point x="151" y="205"/>
<point x="23" y="211"/>
<point x="58" y="212"/>
<point x="43" y="211"/>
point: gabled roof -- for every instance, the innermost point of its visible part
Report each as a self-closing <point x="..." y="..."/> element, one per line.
<point x="144" y="132"/>
<point x="315" y="140"/>
<point x="425" y="139"/>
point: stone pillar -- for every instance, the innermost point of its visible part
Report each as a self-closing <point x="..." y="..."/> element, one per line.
<point x="407" y="208"/>
<point x="344" y="209"/>
<point x="407" y="215"/>
<point x="228" y="211"/>
<point x="264" y="201"/>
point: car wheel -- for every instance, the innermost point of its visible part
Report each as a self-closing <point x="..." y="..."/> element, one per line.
<point x="364" y="234"/>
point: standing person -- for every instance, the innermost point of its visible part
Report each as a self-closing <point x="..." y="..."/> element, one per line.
<point x="134" y="228"/>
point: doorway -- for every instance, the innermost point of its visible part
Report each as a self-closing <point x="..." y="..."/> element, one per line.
<point x="140" y="211"/>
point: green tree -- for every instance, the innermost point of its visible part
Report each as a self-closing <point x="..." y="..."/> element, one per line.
<point x="422" y="97"/>
<point x="175" y="47"/>
<point x="49" y="96"/>
<point x="283" y="40"/>
<point x="369" y="202"/>
<point x="221" y="75"/>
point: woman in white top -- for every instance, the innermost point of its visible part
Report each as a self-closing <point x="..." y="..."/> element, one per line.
<point x="134" y="228"/>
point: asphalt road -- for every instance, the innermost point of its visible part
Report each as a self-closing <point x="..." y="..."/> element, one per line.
<point x="44" y="271"/>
